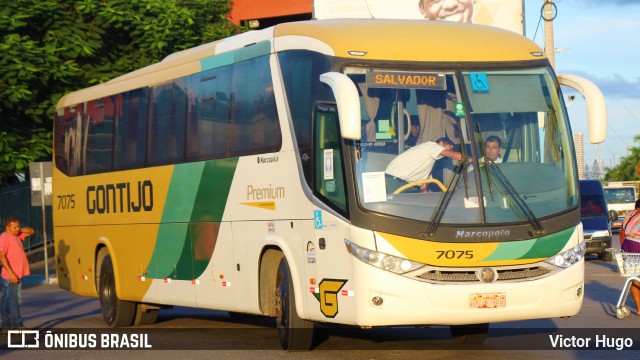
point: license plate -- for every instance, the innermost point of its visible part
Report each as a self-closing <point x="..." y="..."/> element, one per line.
<point x="487" y="301"/>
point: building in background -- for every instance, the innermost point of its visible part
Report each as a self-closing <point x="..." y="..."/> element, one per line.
<point x="263" y="14"/>
<point x="579" y="147"/>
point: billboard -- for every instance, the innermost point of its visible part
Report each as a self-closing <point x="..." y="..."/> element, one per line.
<point x="506" y="14"/>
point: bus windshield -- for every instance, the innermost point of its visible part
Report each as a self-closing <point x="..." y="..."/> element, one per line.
<point x="508" y="128"/>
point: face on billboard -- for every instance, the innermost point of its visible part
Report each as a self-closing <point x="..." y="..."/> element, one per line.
<point x="448" y="10"/>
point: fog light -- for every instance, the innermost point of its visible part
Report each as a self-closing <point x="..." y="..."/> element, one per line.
<point x="377" y="301"/>
<point x="579" y="292"/>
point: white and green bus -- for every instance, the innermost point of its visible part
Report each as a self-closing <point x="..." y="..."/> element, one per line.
<point x="248" y="175"/>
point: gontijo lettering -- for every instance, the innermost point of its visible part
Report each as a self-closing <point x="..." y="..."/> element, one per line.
<point x="413" y="80"/>
<point x="120" y="198"/>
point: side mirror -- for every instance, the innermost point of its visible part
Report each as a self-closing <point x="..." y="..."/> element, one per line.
<point x="596" y="105"/>
<point x="613" y="215"/>
<point x="348" y="101"/>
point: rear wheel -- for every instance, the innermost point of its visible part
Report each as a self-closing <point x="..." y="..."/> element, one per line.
<point x="469" y="334"/>
<point x="116" y="312"/>
<point x="294" y="333"/>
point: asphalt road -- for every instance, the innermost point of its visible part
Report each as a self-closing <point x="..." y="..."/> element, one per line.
<point x="195" y="333"/>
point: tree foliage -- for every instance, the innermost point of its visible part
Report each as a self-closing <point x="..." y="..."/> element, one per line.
<point x="52" y="47"/>
<point x="628" y="168"/>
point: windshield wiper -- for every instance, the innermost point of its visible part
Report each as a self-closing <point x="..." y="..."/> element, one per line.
<point x="493" y="169"/>
<point x="444" y="201"/>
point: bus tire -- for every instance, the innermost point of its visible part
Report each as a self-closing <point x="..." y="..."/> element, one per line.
<point x="102" y="253"/>
<point x="116" y="312"/>
<point x="294" y="333"/>
<point x="469" y="334"/>
<point x="144" y="315"/>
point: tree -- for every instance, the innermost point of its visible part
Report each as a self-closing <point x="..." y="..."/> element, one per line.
<point x="52" y="47"/>
<point x="627" y="168"/>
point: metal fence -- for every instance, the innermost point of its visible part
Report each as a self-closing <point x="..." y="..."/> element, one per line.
<point x="15" y="200"/>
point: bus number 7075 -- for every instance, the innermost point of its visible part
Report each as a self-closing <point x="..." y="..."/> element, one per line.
<point x="455" y="254"/>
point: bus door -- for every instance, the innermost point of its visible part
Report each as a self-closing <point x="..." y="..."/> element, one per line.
<point x="328" y="263"/>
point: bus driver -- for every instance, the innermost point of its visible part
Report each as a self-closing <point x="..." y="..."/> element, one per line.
<point x="417" y="162"/>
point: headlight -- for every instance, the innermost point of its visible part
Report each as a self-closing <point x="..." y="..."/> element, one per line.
<point x="383" y="261"/>
<point x="601" y="233"/>
<point x="569" y="257"/>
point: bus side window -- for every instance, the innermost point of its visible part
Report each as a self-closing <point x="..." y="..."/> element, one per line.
<point x="132" y="111"/>
<point x="99" y="119"/>
<point x="167" y="123"/>
<point x="329" y="178"/>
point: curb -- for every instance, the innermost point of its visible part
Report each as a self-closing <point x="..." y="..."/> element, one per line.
<point x="34" y="280"/>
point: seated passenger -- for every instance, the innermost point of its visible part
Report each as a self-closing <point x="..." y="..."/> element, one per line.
<point x="414" y="134"/>
<point x="590" y="208"/>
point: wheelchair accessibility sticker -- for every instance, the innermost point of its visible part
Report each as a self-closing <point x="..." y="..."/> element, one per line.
<point x="317" y="219"/>
<point x="479" y="82"/>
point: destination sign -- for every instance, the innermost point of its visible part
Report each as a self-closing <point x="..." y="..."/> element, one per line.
<point x="406" y="80"/>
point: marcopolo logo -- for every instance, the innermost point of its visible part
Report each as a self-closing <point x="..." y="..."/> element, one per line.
<point x="483" y="234"/>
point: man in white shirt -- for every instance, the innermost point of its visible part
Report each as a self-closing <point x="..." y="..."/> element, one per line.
<point x="417" y="162"/>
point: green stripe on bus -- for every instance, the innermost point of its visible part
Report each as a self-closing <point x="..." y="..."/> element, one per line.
<point x="213" y="191"/>
<point x="198" y="193"/>
<point x="549" y="245"/>
<point x="228" y="58"/>
<point x="253" y="51"/>
<point x="511" y="250"/>
<point x="182" y="193"/>
<point x="542" y="247"/>
<point x="169" y="250"/>
<point x="216" y="61"/>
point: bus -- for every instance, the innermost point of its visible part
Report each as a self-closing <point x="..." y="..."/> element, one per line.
<point x="248" y="175"/>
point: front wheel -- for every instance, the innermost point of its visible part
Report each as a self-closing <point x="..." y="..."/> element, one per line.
<point x="294" y="333"/>
<point x="144" y="315"/>
<point x="469" y="334"/>
<point x="116" y="312"/>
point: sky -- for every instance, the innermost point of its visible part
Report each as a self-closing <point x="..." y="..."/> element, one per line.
<point x="600" y="41"/>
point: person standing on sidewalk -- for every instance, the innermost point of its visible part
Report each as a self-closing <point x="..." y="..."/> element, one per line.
<point x="15" y="266"/>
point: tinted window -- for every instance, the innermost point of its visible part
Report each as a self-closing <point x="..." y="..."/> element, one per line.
<point x="131" y="128"/>
<point x="167" y="122"/>
<point x="301" y="71"/>
<point x="209" y="121"/>
<point x="99" y="119"/>
<point x="254" y="124"/>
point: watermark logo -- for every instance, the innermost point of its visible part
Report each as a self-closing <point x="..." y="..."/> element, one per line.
<point x="22" y="339"/>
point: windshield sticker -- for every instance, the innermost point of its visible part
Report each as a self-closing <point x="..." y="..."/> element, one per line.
<point x="374" y="187"/>
<point x="479" y="82"/>
<point x="385" y="131"/>
<point x="383" y="125"/>
<point x="406" y="80"/>
<point x="330" y="186"/>
<point x="460" y="110"/>
<point x="328" y="164"/>
<point x="471" y="202"/>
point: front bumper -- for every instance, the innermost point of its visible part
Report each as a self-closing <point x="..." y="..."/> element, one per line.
<point x="597" y="245"/>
